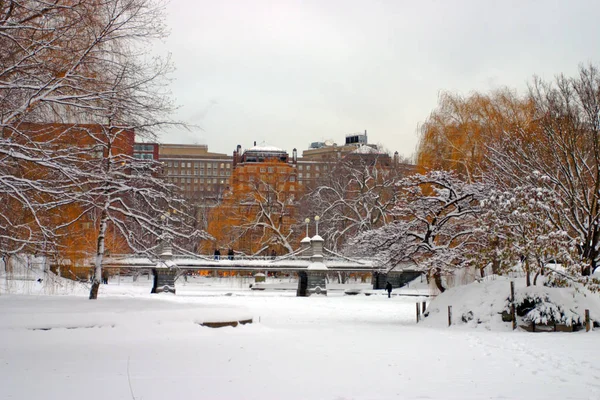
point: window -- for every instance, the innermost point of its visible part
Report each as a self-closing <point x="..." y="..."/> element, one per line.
<point x="176" y="164"/>
<point x="308" y="167"/>
<point x="300" y="175"/>
<point x="222" y="165"/>
<point x="189" y="180"/>
<point x="195" y="180"/>
<point x="308" y="175"/>
<point x="292" y="178"/>
<point x="214" y="180"/>
<point x="201" y="172"/>
<point x="271" y="170"/>
<point x="262" y="169"/>
<point x="316" y="167"/>
<point x="215" y="165"/>
<point x="300" y="167"/>
<point x="201" y="180"/>
<point x="292" y="189"/>
<point x="169" y="164"/>
<point x="228" y="166"/>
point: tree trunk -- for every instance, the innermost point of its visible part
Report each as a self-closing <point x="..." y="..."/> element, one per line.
<point x="535" y="278"/>
<point x="527" y="271"/>
<point x="495" y="266"/>
<point x="94" y="290"/>
<point x="99" y="254"/>
<point x="437" y="278"/>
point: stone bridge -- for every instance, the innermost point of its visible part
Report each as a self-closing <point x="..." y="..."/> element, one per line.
<point x="309" y="262"/>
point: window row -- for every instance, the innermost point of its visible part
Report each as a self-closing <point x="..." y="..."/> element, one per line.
<point x="198" y="172"/>
<point x="143" y="147"/>
<point x="313" y="167"/>
<point x="197" y="180"/>
<point x="198" y="165"/>
<point x="143" y="156"/>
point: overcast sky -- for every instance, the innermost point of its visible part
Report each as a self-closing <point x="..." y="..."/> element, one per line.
<point x="287" y="73"/>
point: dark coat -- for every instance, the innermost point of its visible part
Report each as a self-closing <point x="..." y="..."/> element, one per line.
<point x="388" y="287"/>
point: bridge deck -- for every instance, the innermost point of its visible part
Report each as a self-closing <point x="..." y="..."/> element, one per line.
<point x="248" y="264"/>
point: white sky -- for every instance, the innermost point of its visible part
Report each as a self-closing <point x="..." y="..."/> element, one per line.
<point x="287" y="73"/>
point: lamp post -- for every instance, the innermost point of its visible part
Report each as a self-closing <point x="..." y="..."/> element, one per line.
<point x="307" y="221"/>
<point x="317" y="218"/>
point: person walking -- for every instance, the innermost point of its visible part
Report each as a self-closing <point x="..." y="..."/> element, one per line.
<point x="230" y="254"/>
<point x="388" y="287"/>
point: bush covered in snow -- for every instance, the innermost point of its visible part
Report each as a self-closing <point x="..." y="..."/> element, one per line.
<point x="537" y="307"/>
<point x="481" y="304"/>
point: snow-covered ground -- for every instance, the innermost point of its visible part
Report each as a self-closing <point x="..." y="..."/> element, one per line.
<point x="132" y="345"/>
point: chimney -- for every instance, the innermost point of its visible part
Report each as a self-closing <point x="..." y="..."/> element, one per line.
<point x="294" y="156"/>
<point x="396" y="158"/>
<point x="255" y="143"/>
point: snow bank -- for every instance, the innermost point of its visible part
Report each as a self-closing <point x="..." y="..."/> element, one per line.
<point x="481" y="303"/>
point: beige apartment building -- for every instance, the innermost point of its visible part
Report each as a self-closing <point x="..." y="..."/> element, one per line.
<point x="200" y="175"/>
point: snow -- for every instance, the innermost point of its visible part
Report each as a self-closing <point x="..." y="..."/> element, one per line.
<point x="482" y="302"/>
<point x="317" y="266"/>
<point x="266" y="148"/>
<point x="129" y="344"/>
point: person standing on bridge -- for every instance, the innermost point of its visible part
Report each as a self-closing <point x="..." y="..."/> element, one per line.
<point x="230" y="254"/>
<point x="388" y="287"/>
<point x="217" y="254"/>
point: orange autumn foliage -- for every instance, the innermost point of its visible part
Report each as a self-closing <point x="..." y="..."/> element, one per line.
<point x="456" y="134"/>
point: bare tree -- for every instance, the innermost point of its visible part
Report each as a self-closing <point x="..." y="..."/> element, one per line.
<point x="563" y="145"/>
<point x="434" y="229"/>
<point x="518" y="232"/>
<point x="358" y="195"/>
<point x="81" y="68"/>
<point x="259" y="212"/>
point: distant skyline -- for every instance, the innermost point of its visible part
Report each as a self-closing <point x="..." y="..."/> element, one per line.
<point x="287" y="73"/>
